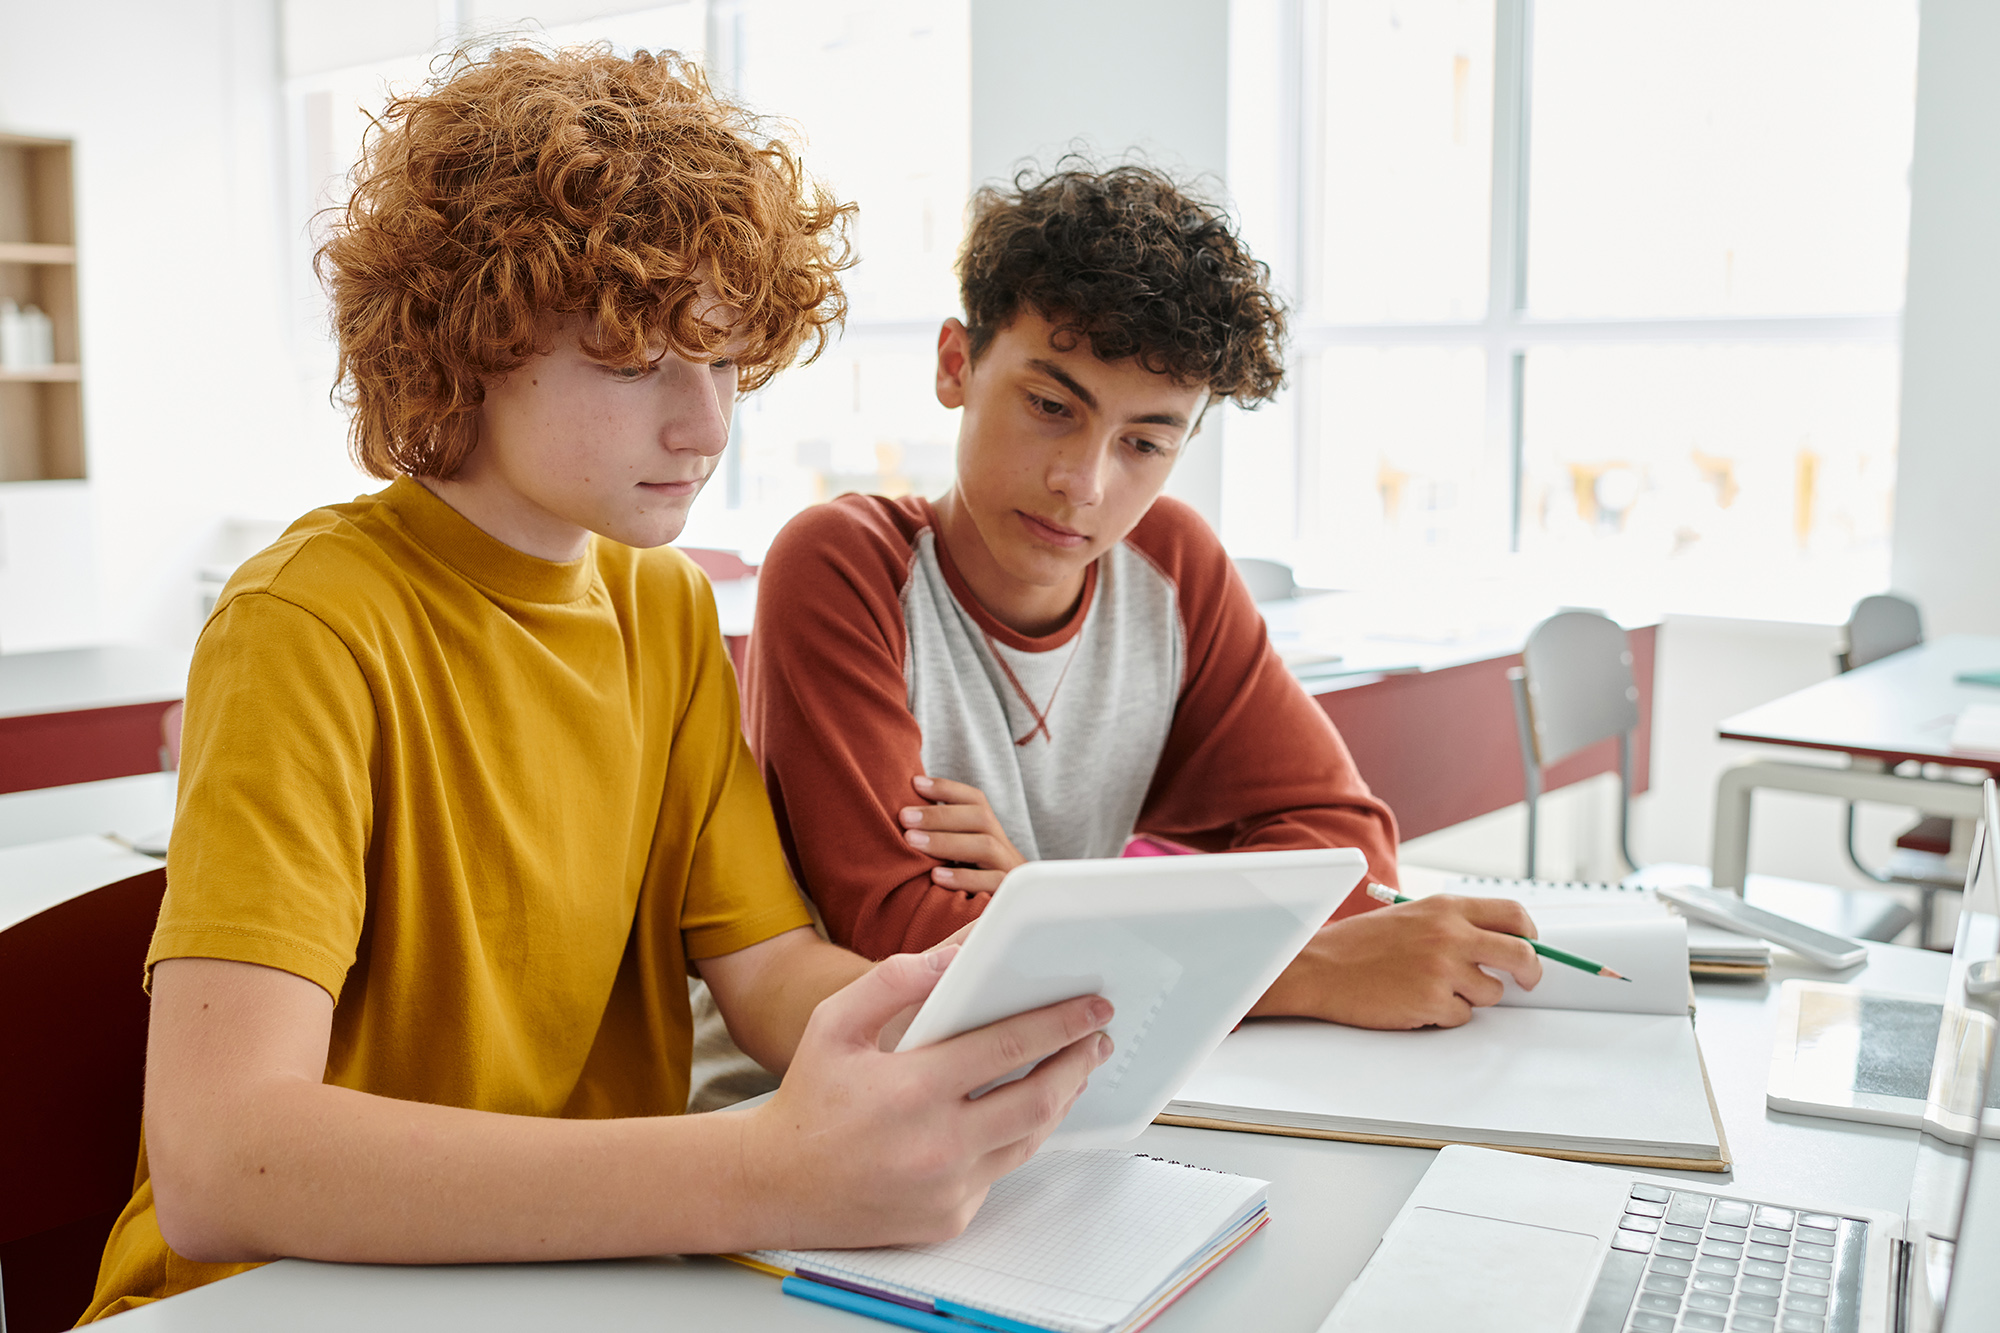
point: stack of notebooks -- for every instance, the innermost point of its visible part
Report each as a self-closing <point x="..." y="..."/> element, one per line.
<point x="1096" y="1241"/>
<point x="1713" y="952"/>
<point x="1582" y="1067"/>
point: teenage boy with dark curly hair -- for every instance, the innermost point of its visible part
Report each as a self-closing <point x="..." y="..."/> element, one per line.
<point x="463" y="798"/>
<point x="1055" y="655"/>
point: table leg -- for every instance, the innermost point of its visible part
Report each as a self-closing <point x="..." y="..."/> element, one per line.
<point x="1729" y="850"/>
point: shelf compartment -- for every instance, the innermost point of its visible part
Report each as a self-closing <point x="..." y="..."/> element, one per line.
<point x="41" y="429"/>
<point x="41" y="408"/>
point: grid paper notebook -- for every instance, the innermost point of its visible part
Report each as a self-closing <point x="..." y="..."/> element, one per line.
<point x="1078" y="1241"/>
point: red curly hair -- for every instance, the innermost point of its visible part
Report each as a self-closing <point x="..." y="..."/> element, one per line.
<point x="525" y="185"/>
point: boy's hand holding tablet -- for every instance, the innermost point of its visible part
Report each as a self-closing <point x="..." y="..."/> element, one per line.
<point x="866" y="1146"/>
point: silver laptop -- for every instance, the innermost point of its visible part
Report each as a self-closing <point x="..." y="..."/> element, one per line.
<point x="1502" y="1242"/>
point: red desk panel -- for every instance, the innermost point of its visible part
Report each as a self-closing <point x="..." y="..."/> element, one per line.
<point x="56" y="749"/>
<point x="1441" y="746"/>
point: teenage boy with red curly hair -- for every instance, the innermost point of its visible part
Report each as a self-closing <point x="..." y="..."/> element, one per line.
<point x="1055" y="655"/>
<point x="463" y="799"/>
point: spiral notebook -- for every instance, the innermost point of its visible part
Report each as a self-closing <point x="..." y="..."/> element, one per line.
<point x="1091" y="1241"/>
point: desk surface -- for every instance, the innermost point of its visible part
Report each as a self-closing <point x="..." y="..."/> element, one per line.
<point x="35" y="877"/>
<point x="1335" y="641"/>
<point x="1330" y="1203"/>
<point x="73" y="679"/>
<point x="1899" y="708"/>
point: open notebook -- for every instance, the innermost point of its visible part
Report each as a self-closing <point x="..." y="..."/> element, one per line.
<point x="1083" y="1242"/>
<point x="1615" y="1076"/>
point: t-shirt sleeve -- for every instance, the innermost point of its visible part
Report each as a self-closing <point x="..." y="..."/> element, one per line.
<point x="1251" y="762"/>
<point x="279" y="750"/>
<point x="738" y="891"/>
<point x="830" y="722"/>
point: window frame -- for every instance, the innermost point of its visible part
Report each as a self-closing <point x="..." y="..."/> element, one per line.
<point x="1508" y="332"/>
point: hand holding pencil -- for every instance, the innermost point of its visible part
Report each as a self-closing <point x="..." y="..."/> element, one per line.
<point x="1382" y="893"/>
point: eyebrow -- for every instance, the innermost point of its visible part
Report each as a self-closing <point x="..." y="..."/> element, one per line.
<point x="1068" y="381"/>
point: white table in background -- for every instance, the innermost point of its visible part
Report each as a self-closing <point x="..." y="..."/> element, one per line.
<point x="133" y="808"/>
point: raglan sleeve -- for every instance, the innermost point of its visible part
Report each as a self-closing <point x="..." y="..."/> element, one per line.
<point x="1251" y="762"/>
<point x="828" y="715"/>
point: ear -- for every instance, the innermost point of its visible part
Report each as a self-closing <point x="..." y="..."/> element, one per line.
<point x="954" y="363"/>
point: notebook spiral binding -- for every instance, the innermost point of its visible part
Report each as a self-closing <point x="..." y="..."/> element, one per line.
<point x="1503" y="881"/>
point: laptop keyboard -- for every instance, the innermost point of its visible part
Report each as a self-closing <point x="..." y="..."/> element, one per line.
<point x="1682" y="1260"/>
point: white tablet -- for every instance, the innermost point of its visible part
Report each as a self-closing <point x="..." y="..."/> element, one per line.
<point x="1852" y="1054"/>
<point x="1182" y="946"/>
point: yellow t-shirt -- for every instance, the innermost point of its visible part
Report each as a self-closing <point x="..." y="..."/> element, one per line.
<point x="493" y="805"/>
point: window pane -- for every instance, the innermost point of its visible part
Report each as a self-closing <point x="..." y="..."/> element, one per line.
<point x="881" y="92"/>
<point x="1745" y="464"/>
<point x="1406" y="160"/>
<point x="858" y="419"/>
<point x="1402" y="466"/>
<point x="1714" y="157"/>
<point x="865" y="416"/>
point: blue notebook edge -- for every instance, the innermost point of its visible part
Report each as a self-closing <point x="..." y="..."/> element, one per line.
<point x="949" y="1318"/>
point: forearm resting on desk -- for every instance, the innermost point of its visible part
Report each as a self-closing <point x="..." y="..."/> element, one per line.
<point x="253" y="1157"/>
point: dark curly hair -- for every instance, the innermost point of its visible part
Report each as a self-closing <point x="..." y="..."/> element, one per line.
<point x="1133" y="262"/>
<point x="527" y="184"/>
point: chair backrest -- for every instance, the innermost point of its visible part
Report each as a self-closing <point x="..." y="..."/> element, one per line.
<point x="170" y="736"/>
<point x="72" y="1066"/>
<point x="1578" y="671"/>
<point x="1881" y="625"/>
<point x="720" y="566"/>
<point x="1268" y="580"/>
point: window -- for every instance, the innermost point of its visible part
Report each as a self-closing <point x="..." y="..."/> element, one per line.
<point x="1595" y="288"/>
<point x="864" y="417"/>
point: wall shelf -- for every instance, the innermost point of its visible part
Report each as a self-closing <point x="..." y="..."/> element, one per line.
<point x="56" y="374"/>
<point x="28" y="252"/>
<point x="41" y="407"/>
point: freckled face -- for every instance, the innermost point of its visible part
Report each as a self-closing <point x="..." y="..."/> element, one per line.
<point x="1059" y="457"/>
<point x="567" y="443"/>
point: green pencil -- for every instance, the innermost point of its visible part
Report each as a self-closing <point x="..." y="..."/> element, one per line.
<point x="1382" y="893"/>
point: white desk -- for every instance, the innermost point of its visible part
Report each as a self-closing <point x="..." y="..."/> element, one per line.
<point x="130" y="808"/>
<point x="71" y="679"/>
<point x="1898" y="709"/>
<point x="37" y="876"/>
<point x="1330" y="1203"/>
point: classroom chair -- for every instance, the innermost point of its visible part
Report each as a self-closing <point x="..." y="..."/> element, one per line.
<point x="1574" y="688"/>
<point x="72" y="1062"/>
<point x="170" y="741"/>
<point x="1268" y="580"/>
<point x="1878" y="627"/>
<point x="720" y="566"/>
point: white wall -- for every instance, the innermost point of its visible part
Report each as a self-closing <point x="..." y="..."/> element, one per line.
<point x="192" y="406"/>
<point x="1111" y="77"/>
<point x="1947" y="535"/>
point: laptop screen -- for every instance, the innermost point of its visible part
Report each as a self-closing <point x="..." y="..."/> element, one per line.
<point x="1962" y="1111"/>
